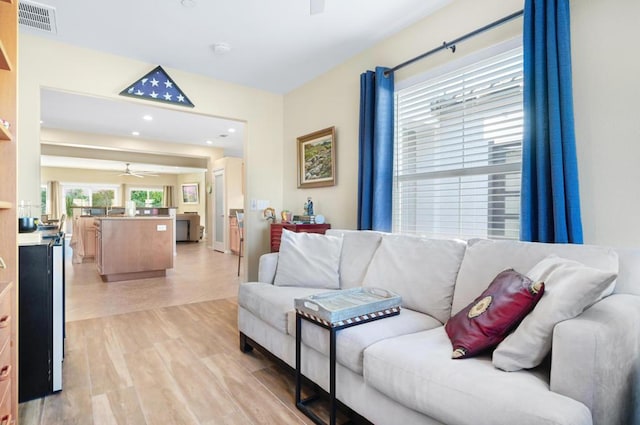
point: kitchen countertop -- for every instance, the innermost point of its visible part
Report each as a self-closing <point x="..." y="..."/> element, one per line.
<point x="138" y="217"/>
<point x="34" y="238"/>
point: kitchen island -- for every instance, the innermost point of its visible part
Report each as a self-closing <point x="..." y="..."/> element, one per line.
<point x="133" y="247"/>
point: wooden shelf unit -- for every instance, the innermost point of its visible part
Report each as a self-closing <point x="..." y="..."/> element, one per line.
<point x="8" y="210"/>
<point x="5" y="62"/>
<point x="5" y="134"/>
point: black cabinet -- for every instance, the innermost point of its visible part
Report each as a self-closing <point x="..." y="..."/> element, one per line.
<point x="41" y="321"/>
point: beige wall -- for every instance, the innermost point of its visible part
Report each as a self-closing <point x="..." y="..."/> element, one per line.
<point x="77" y="175"/>
<point x="200" y="207"/>
<point x="49" y="64"/>
<point x="605" y="94"/>
<point x="233" y="193"/>
<point x="333" y="99"/>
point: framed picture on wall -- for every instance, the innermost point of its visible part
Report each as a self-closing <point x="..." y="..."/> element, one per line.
<point x="317" y="159"/>
<point x="190" y="193"/>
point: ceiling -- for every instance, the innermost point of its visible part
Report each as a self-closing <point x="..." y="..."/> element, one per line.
<point x="275" y="45"/>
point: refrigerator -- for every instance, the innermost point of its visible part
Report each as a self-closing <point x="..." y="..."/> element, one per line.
<point x="41" y="317"/>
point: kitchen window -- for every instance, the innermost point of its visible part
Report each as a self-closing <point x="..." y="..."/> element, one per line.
<point x="147" y="197"/>
<point x="82" y="195"/>
<point x="458" y="146"/>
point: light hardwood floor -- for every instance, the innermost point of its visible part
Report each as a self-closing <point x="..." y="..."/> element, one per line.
<point x="162" y="351"/>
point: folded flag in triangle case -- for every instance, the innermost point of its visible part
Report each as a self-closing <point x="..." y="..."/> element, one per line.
<point x="157" y="86"/>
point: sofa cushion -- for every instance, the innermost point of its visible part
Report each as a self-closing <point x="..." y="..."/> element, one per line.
<point x="358" y="247"/>
<point x="271" y="303"/>
<point x="417" y="371"/>
<point x="423" y="271"/>
<point x="351" y="342"/>
<point x="493" y="314"/>
<point x="484" y="259"/>
<point x="571" y="287"/>
<point x="308" y="259"/>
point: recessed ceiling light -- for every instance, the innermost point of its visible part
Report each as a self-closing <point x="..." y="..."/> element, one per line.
<point x="231" y="130"/>
<point x="221" y="48"/>
<point x="135" y="133"/>
<point x="147" y="118"/>
<point x="188" y="3"/>
<point x="209" y="142"/>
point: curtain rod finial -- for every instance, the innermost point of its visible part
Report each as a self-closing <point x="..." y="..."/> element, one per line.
<point x="452" y="47"/>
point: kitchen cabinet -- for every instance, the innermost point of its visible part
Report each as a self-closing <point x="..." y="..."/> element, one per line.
<point x="234" y="236"/>
<point x="90" y="241"/>
<point x="133" y="247"/>
<point x="8" y="212"/>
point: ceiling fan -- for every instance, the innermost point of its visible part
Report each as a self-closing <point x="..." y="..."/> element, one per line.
<point x="140" y="174"/>
<point x="316" y="6"/>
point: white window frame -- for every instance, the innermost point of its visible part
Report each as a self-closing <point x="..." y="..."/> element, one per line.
<point x="146" y="189"/>
<point x="90" y="188"/>
<point x="408" y="202"/>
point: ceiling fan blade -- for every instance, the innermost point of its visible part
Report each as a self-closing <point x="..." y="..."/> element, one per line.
<point x="316" y="6"/>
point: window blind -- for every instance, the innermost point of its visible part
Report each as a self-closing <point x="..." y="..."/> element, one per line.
<point x="458" y="147"/>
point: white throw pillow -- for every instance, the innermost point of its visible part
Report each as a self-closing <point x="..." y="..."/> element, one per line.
<point x="308" y="260"/>
<point x="570" y="288"/>
<point x="423" y="271"/>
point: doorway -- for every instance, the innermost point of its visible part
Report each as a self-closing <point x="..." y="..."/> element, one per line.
<point x="219" y="209"/>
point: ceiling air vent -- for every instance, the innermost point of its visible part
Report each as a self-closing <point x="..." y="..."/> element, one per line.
<point x="37" y="16"/>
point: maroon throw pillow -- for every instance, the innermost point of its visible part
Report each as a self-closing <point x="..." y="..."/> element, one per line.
<point x="489" y="318"/>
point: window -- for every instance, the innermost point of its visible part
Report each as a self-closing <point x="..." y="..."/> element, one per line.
<point x="147" y="197"/>
<point x="88" y="195"/>
<point x="458" y="146"/>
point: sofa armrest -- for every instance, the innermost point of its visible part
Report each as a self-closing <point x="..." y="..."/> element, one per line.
<point x="596" y="359"/>
<point x="267" y="267"/>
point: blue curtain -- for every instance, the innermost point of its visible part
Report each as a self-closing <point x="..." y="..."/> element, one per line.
<point x="375" y="168"/>
<point x="550" y="199"/>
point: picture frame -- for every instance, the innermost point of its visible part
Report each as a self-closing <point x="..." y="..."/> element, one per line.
<point x="317" y="159"/>
<point x="190" y="193"/>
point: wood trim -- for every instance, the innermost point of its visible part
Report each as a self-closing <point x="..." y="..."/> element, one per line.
<point x="5" y="62"/>
<point x="5" y="134"/>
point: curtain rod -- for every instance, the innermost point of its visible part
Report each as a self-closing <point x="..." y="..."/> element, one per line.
<point x="452" y="44"/>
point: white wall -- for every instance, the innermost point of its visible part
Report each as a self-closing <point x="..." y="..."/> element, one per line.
<point x="606" y="94"/>
<point x="46" y="63"/>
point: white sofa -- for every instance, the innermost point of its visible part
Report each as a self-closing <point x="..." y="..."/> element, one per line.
<point x="399" y="370"/>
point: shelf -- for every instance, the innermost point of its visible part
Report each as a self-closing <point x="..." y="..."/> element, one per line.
<point x="7" y="1"/>
<point x="5" y="205"/>
<point x="5" y="63"/>
<point x="4" y="133"/>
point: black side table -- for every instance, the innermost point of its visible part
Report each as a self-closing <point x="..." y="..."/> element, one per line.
<point x="333" y="328"/>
